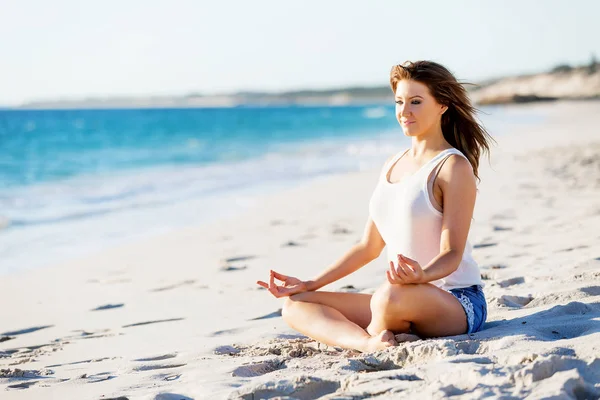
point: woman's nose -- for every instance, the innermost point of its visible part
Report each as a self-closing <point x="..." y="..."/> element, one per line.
<point x="404" y="110"/>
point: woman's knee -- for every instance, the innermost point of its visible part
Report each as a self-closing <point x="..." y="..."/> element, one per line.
<point x="288" y="307"/>
<point x="291" y="303"/>
<point x="392" y="297"/>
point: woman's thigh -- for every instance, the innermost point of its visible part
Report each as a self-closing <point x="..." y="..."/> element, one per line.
<point x="354" y="306"/>
<point x="432" y="311"/>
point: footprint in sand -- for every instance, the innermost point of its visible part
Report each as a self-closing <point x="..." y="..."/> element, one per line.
<point x="510" y="214"/>
<point x="157" y="366"/>
<point x="27" y="330"/>
<point x="238" y="258"/>
<point x="227" y="268"/>
<point x="225" y="332"/>
<point x="27" y="353"/>
<point x="511" y="282"/>
<point x="274" y="314"/>
<point x="587" y="276"/>
<point x="517" y="255"/>
<point x="81" y="362"/>
<point x="153" y="322"/>
<point x="341" y="231"/>
<point x="483" y="245"/>
<point x="162" y="357"/>
<point x="22" y="385"/>
<point x="89" y="334"/>
<point x="258" y="369"/>
<point x="167" y="377"/>
<point x="515" y="301"/>
<point x="472" y="359"/>
<point x="304" y="387"/>
<point x="99" y="377"/>
<point x="158" y="358"/>
<point x="40" y="375"/>
<point x="171" y="396"/>
<point x="226" y="350"/>
<point x="571" y="249"/>
<point x="24" y="374"/>
<point x="566" y="296"/>
<point x="108" y="307"/>
<point x="291" y="244"/>
<point x="174" y="286"/>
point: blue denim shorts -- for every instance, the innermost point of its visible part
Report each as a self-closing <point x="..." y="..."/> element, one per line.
<point x="473" y="301"/>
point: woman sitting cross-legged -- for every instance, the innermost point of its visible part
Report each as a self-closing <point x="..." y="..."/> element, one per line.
<point x="421" y="209"/>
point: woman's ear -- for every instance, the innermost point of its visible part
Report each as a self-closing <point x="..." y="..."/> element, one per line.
<point x="444" y="108"/>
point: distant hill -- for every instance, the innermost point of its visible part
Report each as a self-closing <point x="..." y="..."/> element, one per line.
<point x="562" y="82"/>
<point x="342" y="96"/>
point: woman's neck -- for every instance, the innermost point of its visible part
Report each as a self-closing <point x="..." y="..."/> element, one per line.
<point x="424" y="144"/>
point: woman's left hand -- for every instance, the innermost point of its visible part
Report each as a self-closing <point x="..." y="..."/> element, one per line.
<point x="408" y="271"/>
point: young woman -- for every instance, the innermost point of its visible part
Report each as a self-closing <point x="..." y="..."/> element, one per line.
<point x="421" y="209"/>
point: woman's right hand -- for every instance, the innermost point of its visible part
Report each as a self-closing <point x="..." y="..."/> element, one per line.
<point x="290" y="285"/>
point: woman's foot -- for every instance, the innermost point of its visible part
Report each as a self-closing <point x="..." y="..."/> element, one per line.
<point x="379" y="342"/>
<point x="406" y="337"/>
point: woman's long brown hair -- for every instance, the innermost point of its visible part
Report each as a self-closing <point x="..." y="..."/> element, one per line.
<point x="459" y="124"/>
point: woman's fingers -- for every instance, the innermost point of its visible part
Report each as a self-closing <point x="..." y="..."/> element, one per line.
<point x="402" y="269"/>
<point x="271" y="280"/>
<point x="263" y="284"/>
<point x="393" y="274"/>
<point x="279" y="276"/>
<point x="409" y="261"/>
<point x="407" y="271"/>
<point x="414" y="272"/>
<point x="389" y="277"/>
<point x="275" y="290"/>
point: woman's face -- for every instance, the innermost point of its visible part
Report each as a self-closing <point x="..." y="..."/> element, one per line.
<point x="417" y="111"/>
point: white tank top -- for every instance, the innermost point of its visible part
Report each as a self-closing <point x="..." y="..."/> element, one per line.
<point x="410" y="224"/>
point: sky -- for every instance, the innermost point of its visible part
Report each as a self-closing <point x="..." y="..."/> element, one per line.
<point x="69" y="49"/>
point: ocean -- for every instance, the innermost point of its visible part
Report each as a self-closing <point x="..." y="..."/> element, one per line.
<point x="77" y="181"/>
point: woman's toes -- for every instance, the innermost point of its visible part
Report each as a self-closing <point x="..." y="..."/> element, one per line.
<point x="388" y="338"/>
<point x="406" y="337"/>
<point x="381" y="341"/>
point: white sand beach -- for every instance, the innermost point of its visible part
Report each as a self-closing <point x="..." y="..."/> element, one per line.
<point x="180" y="316"/>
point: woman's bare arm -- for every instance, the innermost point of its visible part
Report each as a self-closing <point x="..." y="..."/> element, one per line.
<point x="368" y="249"/>
<point x="362" y="253"/>
<point x="459" y="188"/>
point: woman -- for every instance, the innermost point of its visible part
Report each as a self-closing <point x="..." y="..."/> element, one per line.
<point x="421" y="209"/>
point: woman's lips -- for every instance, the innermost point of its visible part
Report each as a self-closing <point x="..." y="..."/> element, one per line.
<point x="408" y="122"/>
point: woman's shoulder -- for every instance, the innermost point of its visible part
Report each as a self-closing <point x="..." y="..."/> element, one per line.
<point x="456" y="166"/>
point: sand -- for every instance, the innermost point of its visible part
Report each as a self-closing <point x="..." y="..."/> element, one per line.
<point x="179" y="316"/>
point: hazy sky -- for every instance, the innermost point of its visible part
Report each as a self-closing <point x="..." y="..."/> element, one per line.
<point x="74" y="48"/>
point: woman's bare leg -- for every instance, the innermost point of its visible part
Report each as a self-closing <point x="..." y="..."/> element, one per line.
<point x="427" y="309"/>
<point x="336" y="319"/>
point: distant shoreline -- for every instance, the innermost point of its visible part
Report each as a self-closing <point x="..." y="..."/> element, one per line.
<point x="562" y="83"/>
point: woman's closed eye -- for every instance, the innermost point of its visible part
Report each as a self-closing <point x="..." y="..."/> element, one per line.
<point x="413" y="102"/>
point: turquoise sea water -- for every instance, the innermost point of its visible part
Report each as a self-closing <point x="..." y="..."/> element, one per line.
<point x="75" y="181"/>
